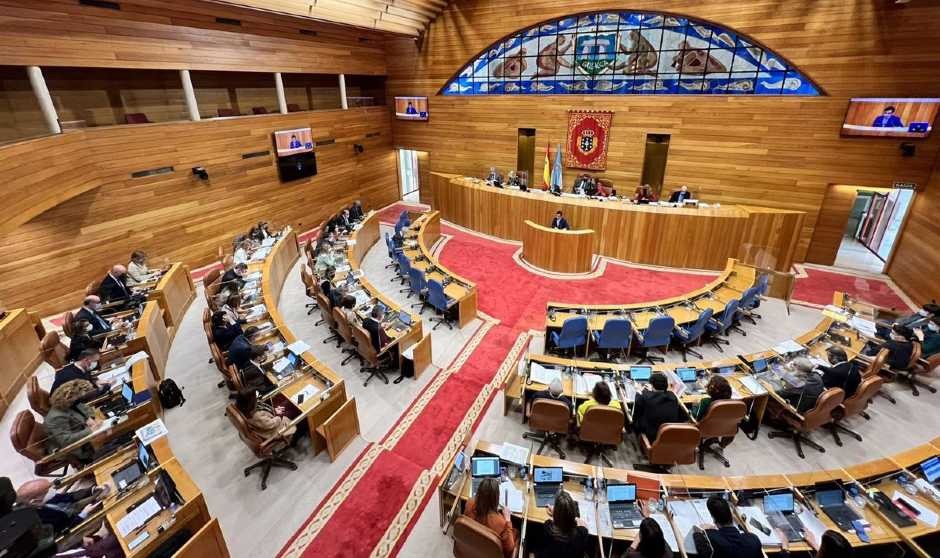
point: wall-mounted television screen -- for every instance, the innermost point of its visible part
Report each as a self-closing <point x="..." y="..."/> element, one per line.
<point x="890" y="118"/>
<point x="292" y="142"/>
<point x="294" y="167"/>
<point x="411" y="108"/>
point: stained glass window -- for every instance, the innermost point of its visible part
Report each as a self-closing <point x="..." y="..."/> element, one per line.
<point x="625" y="53"/>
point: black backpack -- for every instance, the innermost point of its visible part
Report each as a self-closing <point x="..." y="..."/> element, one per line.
<point x="170" y="394"/>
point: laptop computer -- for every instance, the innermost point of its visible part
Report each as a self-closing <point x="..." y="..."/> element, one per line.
<point x="403" y="321"/>
<point x="831" y="500"/>
<point x="687" y="375"/>
<point x="621" y="500"/>
<point x="779" y="509"/>
<point x="547" y="481"/>
<point x="759" y="365"/>
<point x="482" y="468"/>
<point x="931" y="470"/>
<point x="918" y="127"/>
<point x="641" y="373"/>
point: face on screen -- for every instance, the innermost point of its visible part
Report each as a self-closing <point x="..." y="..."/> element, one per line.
<point x="547" y="474"/>
<point x="898" y="118"/>
<point x="291" y="142"/>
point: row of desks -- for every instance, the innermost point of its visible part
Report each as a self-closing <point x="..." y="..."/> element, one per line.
<point x="882" y="474"/>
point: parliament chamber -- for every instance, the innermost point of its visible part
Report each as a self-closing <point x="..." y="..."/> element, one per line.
<point x="421" y="278"/>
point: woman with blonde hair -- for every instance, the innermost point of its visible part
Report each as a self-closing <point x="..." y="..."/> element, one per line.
<point x="70" y="420"/>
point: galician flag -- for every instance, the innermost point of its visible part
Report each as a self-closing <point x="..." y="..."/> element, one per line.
<point x="556" y="180"/>
<point x="546" y="170"/>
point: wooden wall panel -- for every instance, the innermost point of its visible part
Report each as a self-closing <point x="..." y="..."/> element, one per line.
<point x="772" y="151"/>
<point x="46" y="262"/>
<point x="831" y="223"/>
<point x="915" y="265"/>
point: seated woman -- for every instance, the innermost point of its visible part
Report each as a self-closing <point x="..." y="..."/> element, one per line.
<point x="600" y="395"/>
<point x="81" y="339"/>
<point x="69" y="420"/>
<point x="269" y="422"/>
<point x="348" y="304"/>
<point x="718" y="389"/>
<point x="484" y="509"/>
<point x="563" y="535"/>
<point x="650" y="543"/>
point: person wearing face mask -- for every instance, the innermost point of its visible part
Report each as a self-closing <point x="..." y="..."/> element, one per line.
<point x="60" y="510"/>
<point x="69" y="420"/>
<point x="82" y="339"/>
<point x="900" y="348"/>
<point x="89" y="312"/>
<point x="235" y="277"/>
<point x="81" y="369"/>
<point x="325" y="260"/>
<point x="114" y="285"/>
<point x="930" y="338"/>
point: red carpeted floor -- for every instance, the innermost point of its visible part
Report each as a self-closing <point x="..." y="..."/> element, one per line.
<point x="819" y="285"/>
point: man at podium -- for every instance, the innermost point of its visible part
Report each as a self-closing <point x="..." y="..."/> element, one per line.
<point x="559" y="222"/>
<point x="680" y="195"/>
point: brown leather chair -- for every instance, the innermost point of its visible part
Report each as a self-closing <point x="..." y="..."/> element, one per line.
<point x="212" y="276"/>
<point x="911" y="372"/>
<point x="929" y="364"/>
<point x="228" y="262"/>
<point x="376" y="364"/>
<point x="310" y="286"/>
<point x="92" y="288"/>
<point x="67" y="323"/>
<point x="228" y="112"/>
<point x="345" y="332"/>
<point x="29" y="439"/>
<point x="855" y="405"/>
<point x="291" y="107"/>
<point x="136" y="118"/>
<point x="54" y="352"/>
<point x="326" y="315"/>
<point x="475" y="540"/>
<point x="676" y="444"/>
<point x="601" y="429"/>
<point x="719" y="425"/>
<point x="819" y="416"/>
<point x="270" y="452"/>
<point x="40" y="329"/>
<point x="259" y="110"/>
<point x="38" y="397"/>
<point x="550" y="419"/>
<point x="874" y="368"/>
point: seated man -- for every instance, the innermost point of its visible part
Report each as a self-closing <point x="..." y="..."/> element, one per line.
<point x="60" y="510"/>
<point x="842" y="374"/>
<point x="81" y="369"/>
<point x="930" y="338"/>
<point x="559" y="222"/>
<point x="235" y="277"/>
<point x="373" y="324"/>
<point x="680" y="195"/>
<point x="355" y="211"/>
<point x="224" y="330"/>
<point x="325" y="259"/>
<point x="724" y="540"/>
<point x="89" y="312"/>
<point x="114" y="287"/>
<point x="555" y="392"/>
<point x="900" y="348"/>
<point x="600" y="395"/>
<point x="241" y="350"/>
<point x="804" y="397"/>
<point x="656" y="407"/>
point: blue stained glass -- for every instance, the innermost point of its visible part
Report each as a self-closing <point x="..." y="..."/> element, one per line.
<point x="627" y="53"/>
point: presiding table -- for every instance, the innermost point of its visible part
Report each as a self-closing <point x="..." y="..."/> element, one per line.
<point x="561" y="251"/>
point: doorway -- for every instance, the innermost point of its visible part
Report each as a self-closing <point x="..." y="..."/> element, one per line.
<point x="412" y="164"/>
<point x="875" y="220"/>
<point x="654" y="161"/>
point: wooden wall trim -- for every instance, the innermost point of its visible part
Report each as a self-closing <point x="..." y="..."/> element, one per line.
<point x="916" y="259"/>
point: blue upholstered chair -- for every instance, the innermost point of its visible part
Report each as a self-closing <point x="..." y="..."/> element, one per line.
<point x="404" y="268"/>
<point x="748" y="302"/>
<point x="716" y="328"/>
<point x="419" y="285"/>
<point x="393" y="251"/>
<point x="615" y="336"/>
<point x="686" y="337"/>
<point x="441" y="304"/>
<point x="657" y="334"/>
<point x="574" y="333"/>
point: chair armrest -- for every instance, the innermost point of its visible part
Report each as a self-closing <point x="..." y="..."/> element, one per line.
<point x="645" y="445"/>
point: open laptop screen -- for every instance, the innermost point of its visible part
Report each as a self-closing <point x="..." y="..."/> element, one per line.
<point x="832" y="497"/>
<point x="549" y="475"/>
<point x="640" y="373"/>
<point x="621" y="492"/>
<point x="484" y="466"/>
<point x="686" y="374"/>
<point x="778" y="503"/>
<point x="931" y="469"/>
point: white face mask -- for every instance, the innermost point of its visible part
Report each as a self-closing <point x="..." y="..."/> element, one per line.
<point x="88" y="328"/>
<point x="91" y="366"/>
<point x="96" y="306"/>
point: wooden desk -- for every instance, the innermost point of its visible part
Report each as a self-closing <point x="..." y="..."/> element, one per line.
<point x="698" y="238"/>
<point x="152" y="336"/>
<point x="20" y="354"/>
<point x="175" y="292"/>
<point x="561" y="251"/>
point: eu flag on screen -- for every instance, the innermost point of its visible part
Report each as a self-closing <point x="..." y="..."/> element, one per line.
<point x="556" y="169"/>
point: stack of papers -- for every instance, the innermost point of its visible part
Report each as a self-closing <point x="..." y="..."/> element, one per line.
<point x="752" y="512"/>
<point x="277" y="347"/>
<point x="269" y="241"/>
<point x="280" y="365"/>
<point x="298" y="347"/>
<point x="138" y="516"/>
<point x="362" y="297"/>
<point x="584" y="383"/>
<point x="542" y="375"/>
<point x="253" y="276"/>
<point x="668" y="533"/>
<point x="510" y="497"/>
<point x="865" y="327"/>
<point x="787" y="347"/>
<point x="256" y="312"/>
<point x="308" y="393"/>
<point x="687" y="514"/>
<point x="812" y="524"/>
<point x="148" y="433"/>
<point x="752" y="385"/>
<point x="514" y="454"/>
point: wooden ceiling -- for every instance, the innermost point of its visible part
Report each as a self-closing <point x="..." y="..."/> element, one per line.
<point x="402" y="17"/>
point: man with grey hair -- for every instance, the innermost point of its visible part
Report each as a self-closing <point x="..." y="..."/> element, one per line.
<point x="809" y="386"/>
<point x="555" y="392"/>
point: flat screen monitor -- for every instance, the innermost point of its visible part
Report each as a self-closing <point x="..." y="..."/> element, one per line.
<point x="295" y="167"/>
<point x="778" y="503"/>
<point x="640" y="373"/>
<point x="621" y="492"/>
<point x="931" y="469"/>
<point x="484" y="466"/>
<point x="890" y="118"/>
<point x="411" y="108"/>
<point x="547" y="475"/>
<point x="686" y="374"/>
<point x="292" y="142"/>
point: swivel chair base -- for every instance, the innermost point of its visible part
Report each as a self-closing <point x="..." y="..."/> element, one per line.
<point x="915" y="383"/>
<point x="334" y="337"/>
<point x="645" y="356"/>
<point x="442" y="320"/>
<point x="266" y="464"/>
<point x="798" y="440"/>
<point x="708" y="446"/>
<point x="835" y="428"/>
<point x="375" y="372"/>
<point x="597" y="450"/>
<point x="353" y="353"/>
<point x="717" y="342"/>
<point x="552" y="440"/>
<point x="312" y="306"/>
<point x="890" y="399"/>
<point x="687" y="351"/>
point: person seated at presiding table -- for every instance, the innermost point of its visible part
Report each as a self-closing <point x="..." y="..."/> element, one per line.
<point x="484" y="509"/>
<point x="810" y="386"/>
<point x="900" y="347"/>
<point x="114" y="287"/>
<point x="235" y="277"/>
<point x="355" y="211"/>
<point x="680" y="195"/>
<point x="81" y="369"/>
<point x="655" y="407"/>
<point x="268" y="421"/>
<point x="60" y="510"/>
<point x="842" y="374"/>
<point x="600" y="395"/>
<point x="81" y="339"/>
<point x="564" y="535"/>
<point x="718" y="389"/>
<point x="554" y="392"/>
<point x="650" y="541"/>
<point x="91" y="306"/>
<point x="929" y="336"/>
<point x="137" y="270"/>
<point x="724" y="540"/>
<point x="644" y="194"/>
<point x="224" y="330"/>
<point x="559" y="222"/>
<point x="69" y="420"/>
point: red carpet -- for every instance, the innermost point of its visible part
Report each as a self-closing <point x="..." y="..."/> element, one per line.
<point x="818" y="287"/>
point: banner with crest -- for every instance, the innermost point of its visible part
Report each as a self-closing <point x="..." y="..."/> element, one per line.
<point x="588" y="136"/>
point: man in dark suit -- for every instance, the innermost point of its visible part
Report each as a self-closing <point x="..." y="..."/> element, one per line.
<point x="242" y="350"/>
<point x="373" y="324"/>
<point x="900" y="348"/>
<point x="724" y="540"/>
<point x="656" y="407"/>
<point x="60" y="510"/>
<point x="235" y="277"/>
<point x="81" y="369"/>
<point x="680" y="195"/>
<point x="114" y="287"/>
<point x="811" y="387"/>
<point x="842" y="374"/>
<point x="343" y="221"/>
<point x="559" y="222"/>
<point x="355" y="211"/>
<point x="89" y="312"/>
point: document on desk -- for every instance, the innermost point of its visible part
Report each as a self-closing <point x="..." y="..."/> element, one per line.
<point x="351" y="241"/>
<point x="260" y="254"/>
<point x="253" y="276"/>
<point x="256" y="312"/>
<point x="924" y="515"/>
<point x="267" y="242"/>
<point x="752" y="385"/>
<point x="787" y="347"/>
<point x="511" y="497"/>
<point x="148" y="433"/>
<point x="629" y="392"/>
<point x="343" y="267"/>
<point x="584" y="383"/>
<point x="264" y="326"/>
<point x="668" y="533"/>
<point x="812" y="524"/>
<point x="280" y="365"/>
<point x="542" y="375"/>
<point x="514" y="454"/>
<point x="865" y="327"/>
<point x="308" y="393"/>
<point x="362" y="297"/>
<point x="687" y="514"/>
<point x="138" y="516"/>
<point x="753" y="512"/>
<point x="298" y="347"/>
<point x="277" y="347"/>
